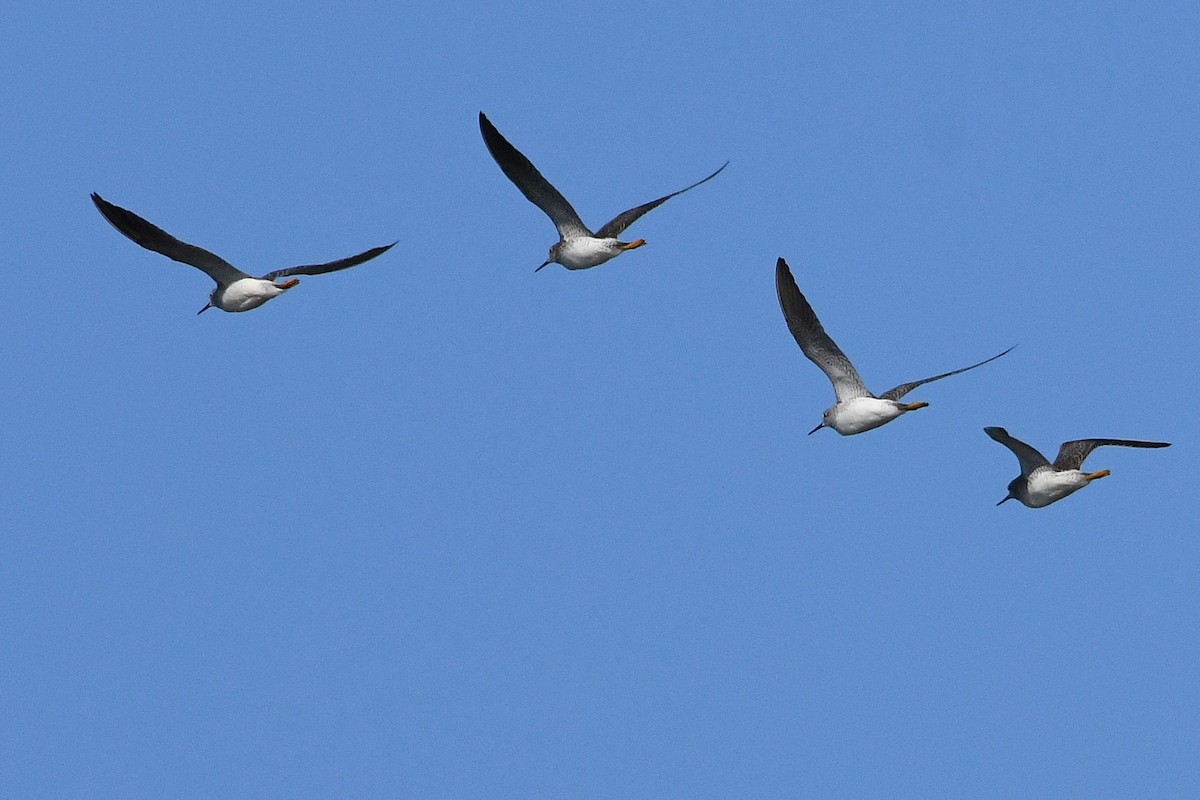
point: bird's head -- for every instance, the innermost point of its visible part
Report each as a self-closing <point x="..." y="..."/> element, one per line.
<point x="212" y="301"/>
<point x="551" y="256"/>
<point x="826" y="421"/>
<point x="1013" y="487"/>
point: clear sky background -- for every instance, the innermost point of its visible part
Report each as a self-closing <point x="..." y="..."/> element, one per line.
<point x="439" y="527"/>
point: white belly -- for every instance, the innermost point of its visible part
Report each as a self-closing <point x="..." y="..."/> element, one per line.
<point x="1047" y="486"/>
<point x="245" y="294"/>
<point x="586" y="252"/>
<point x="862" y="414"/>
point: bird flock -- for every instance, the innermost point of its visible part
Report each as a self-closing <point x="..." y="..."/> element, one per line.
<point x="855" y="411"/>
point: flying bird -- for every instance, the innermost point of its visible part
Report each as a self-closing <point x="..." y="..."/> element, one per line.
<point x="856" y="410"/>
<point x="577" y="246"/>
<point x="236" y="290"/>
<point x="1042" y="483"/>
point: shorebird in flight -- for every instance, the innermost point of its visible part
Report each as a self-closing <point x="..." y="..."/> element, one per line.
<point x="577" y="246"/>
<point x="236" y="290"/>
<point x="856" y="410"/>
<point x="1042" y="483"/>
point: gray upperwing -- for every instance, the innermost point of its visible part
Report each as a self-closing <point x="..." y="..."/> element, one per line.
<point x="814" y="342"/>
<point x="1029" y="458"/>
<point x="154" y="238"/>
<point x="905" y="388"/>
<point x="626" y="218"/>
<point x="332" y="266"/>
<point x="1071" y="455"/>
<point x="521" y="171"/>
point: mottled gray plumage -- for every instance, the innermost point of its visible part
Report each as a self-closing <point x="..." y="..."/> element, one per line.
<point x="823" y="351"/>
<point x="905" y="388"/>
<point x="619" y="223"/>
<point x="331" y="266"/>
<point x="813" y="340"/>
<point x="1028" y="457"/>
<point x="539" y="191"/>
<point x="152" y="237"/>
<point x="1071" y="455"/>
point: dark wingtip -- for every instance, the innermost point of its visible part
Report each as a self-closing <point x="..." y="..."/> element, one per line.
<point x="783" y="273"/>
<point x="998" y="435"/>
<point x="376" y="252"/>
<point x="717" y="172"/>
<point x="112" y="213"/>
<point x="491" y="136"/>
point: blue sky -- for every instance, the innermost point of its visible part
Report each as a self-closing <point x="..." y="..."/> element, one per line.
<point x="439" y="527"/>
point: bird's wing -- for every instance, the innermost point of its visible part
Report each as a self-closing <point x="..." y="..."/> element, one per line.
<point x="623" y="220"/>
<point x="1071" y="454"/>
<point x="1030" y="458"/>
<point x="332" y="266"/>
<point x="154" y="238"/>
<point x="905" y="388"/>
<point x="813" y="340"/>
<point x="521" y="171"/>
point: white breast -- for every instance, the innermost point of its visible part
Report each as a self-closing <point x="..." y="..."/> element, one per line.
<point x="584" y="252"/>
<point x="862" y="414"/>
<point x="1047" y="485"/>
<point x="246" y="293"/>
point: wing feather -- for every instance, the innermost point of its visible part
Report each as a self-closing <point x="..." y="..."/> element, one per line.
<point x="905" y="388"/>
<point x="1029" y="458"/>
<point x="1072" y="454"/>
<point x="332" y="266"/>
<point x="521" y="171"/>
<point x="618" y="224"/>
<point x="154" y="238"/>
<point x="813" y="340"/>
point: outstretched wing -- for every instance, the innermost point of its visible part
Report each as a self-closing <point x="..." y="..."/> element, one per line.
<point x="905" y="388"/>
<point x="521" y="171"/>
<point x="154" y="238"/>
<point x="332" y="266"/>
<point x="1030" y="458"/>
<point x="813" y="340"/>
<point x="623" y="220"/>
<point x="1071" y="455"/>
